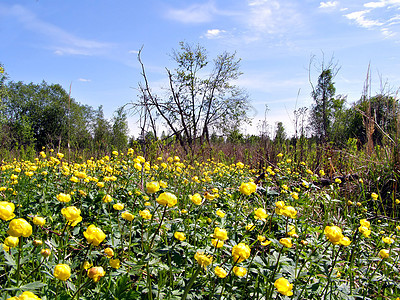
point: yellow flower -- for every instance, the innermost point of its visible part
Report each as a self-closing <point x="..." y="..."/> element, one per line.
<point x="11" y="241"/>
<point x="7" y="210"/>
<point x="63" y="197"/>
<point x="384" y="253"/>
<point x="365" y="223"/>
<point x="279" y="206"/>
<point x="167" y="198"/>
<point x="25" y="296"/>
<point x="180" y="236"/>
<point x="260" y="214"/>
<point x="240" y="252"/>
<point x="74" y="179"/>
<point x="265" y="243"/>
<point x="290" y="212"/>
<point x="96" y="273"/>
<point x="261" y="238"/>
<point x="247" y="188"/>
<point x="220" y="213"/>
<point x="81" y="175"/>
<point x="107" y="199"/>
<point x="292" y="231"/>
<point x="163" y="184"/>
<point x="115" y="263"/>
<point x="345" y="241"/>
<point x="19" y="227"/>
<point x="333" y="234"/>
<point x="284" y="286"/>
<point x="109" y="252"/>
<point x="72" y="214"/>
<point x="374" y="196"/>
<point x="87" y="265"/>
<point x="152" y="187"/>
<point x="94" y="235"/>
<point x="217" y="243"/>
<point x="239" y="271"/>
<point x="287" y="242"/>
<point x="45" y="252"/>
<point x="39" y="221"/>
<point x="100" y="184"/>
<point x="240" y="165"/>
<point x="250" y="227"/>
<point x="387" y="240"/>
<point x="209" y="196"/>
<point x="118" y="206"/>
<point x="62" y="272"/>
<point x="202" y="259"/>
<point x="364" y="230"/>
<point x="145" y="214"/>
<point x="127" y="216"/>
<point x="196" y="198"/>
<point x="220" y="272"/>
<point x="220" y="234"/>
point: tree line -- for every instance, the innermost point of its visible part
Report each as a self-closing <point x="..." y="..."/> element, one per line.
<point x="44" y="115"/>
<point x="199" y="105"/>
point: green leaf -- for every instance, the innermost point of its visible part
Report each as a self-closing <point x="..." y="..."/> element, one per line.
<point x="33" y="286"/>
<point x="9" y="260"/>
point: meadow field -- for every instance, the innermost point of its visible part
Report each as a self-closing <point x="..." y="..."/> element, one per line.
<point x="123" y="227"/>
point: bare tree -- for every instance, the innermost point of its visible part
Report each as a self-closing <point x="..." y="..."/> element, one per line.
<point x="194" y="103"/>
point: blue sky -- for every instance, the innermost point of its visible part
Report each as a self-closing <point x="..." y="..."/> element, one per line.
<point x="93" y="46"/>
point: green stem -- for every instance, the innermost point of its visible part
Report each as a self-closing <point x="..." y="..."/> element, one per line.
<point x="273" y="274"/>
<point x="79" y="289"/>
<point x="325" y="290"/>
<point x="190" y="283"/>
<point x="19" y="259"/>
<point x="150" y="292"/>
<point x="159" y="226"/>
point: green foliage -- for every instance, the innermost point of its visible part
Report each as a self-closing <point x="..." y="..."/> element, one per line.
<point x="120" y="129"/>
<point x="285" y="224"/>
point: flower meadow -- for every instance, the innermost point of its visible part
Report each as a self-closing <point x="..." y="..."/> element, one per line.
<point x="122" y="227"/>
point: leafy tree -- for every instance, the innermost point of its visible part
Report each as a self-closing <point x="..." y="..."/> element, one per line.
<point x="120" y="129"/>
<point x="280" y="134"/>
<point x="322" y="112"/>
<point x="195" y="104"/>
<point x="384" y="110"/>
<point x="44" y="115"/>
<point x="101" y="131"/>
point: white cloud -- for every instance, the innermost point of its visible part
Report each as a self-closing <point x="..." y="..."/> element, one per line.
<point x="271" y="17"/>
<point x="196" y="13"/>
<point x="214" y="33"/>
<point x="359" y="18"/>
<point x="84" y="80"/>
<point x="61" y="41"/>
<point x="375" y="4"/>
<point x="133" y="52"/>
<point x="328" y="4"/>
